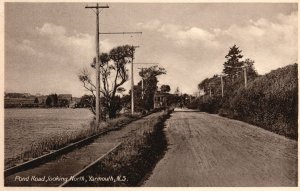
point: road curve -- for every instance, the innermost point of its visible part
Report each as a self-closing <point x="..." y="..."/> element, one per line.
<point x="209" y="150"/>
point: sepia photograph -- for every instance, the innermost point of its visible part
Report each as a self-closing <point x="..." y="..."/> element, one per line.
<point x="150" y="94"/>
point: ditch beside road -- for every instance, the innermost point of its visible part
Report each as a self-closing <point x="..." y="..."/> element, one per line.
<point x="209" y="150"/>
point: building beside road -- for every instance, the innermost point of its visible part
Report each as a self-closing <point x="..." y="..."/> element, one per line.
<point x="160" y="99"/>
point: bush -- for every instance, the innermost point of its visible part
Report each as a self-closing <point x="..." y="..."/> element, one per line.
<point x="210" y="104"/>
<point x="271" y="101"/>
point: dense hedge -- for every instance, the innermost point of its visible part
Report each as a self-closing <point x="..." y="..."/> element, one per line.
<point x="270" y="101"/>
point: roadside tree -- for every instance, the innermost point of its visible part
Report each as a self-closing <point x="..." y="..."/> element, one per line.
<point x="52" y="100"/>
<point x="165" y="88"/>
<point x="150" y="85"/>
<point x="233" y="64"/>
<point x="114" y="74"/>
<point x="251" y="72"/>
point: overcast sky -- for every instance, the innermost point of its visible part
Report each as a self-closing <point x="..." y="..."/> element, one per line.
<point x="46" y="44"/>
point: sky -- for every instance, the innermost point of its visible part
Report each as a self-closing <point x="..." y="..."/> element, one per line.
<point x="47" y="44"/>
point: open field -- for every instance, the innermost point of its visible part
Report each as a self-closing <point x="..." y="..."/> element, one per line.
<point x="209" y="150"/>
<point x="23" y="127"/>
<point x="132" y="138"/>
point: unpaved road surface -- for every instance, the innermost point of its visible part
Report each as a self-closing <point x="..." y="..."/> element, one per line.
<point x="208" y="150"/>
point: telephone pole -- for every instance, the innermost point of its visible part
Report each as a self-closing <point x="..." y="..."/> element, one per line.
<point x="132" y="82"/>
<point x="222" y="84"/>
<point x="142" y="84"/>
<point x="142" y="68"/>
<point x="245" y="76"/>
<point x="245" y="73"/>
<point x="98" y="86"/>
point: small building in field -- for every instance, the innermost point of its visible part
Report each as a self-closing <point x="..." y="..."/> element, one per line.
<point x="42" y="99"/>
<point x="65" y="96"/>
<point x="74" y="103"/>
<point x="76" y="99"/>
<point x="13" y="100"/>
<point x="64" y="100"/>
<point x="20" y="102"/>
<point x="16" y="95"/>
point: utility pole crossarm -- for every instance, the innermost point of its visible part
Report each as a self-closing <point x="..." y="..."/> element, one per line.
<point x="97" y="7"/>
<point x="245" y="73"/>
<point x="120" y="33"/>
<point x="146" y="63"/>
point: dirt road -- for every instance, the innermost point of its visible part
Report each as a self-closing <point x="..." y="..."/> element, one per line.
<point x="208" y="150"/>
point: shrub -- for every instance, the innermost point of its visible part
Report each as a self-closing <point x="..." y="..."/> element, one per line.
<point x="271" y="101"/>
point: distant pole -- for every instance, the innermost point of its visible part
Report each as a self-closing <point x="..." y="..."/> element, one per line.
<point x="245" y="76"/>
<point x="209" y="91"/>
<point x="132" y="83"/>
<point x="142" y="69"/>
<point x="142" y="83"/>
<point x="98" y="83"/>
<point x="222" y="86"/>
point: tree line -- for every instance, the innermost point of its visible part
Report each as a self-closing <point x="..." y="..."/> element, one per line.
<point x="269" y="101"/>
<point x="232" y="74"/>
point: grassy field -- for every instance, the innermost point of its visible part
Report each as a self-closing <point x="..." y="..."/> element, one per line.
<point x="57" y="132"/>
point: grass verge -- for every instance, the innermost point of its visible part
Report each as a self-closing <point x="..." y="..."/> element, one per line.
<point x="130" y="163"/>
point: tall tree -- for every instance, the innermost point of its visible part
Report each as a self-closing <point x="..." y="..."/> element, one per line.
<point x="211" y="85"/>
<point x="204" y="85"/>
<point x="114" y="75"/>
<point x="52" y="100"/>
<point x="251" y="72"/>
<point x="150" y="84"/>
<point x="233" y="64"/>
<point x="89" y="102"/>
<point x="165" y="88"/>
<point x="36" y="100"/>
